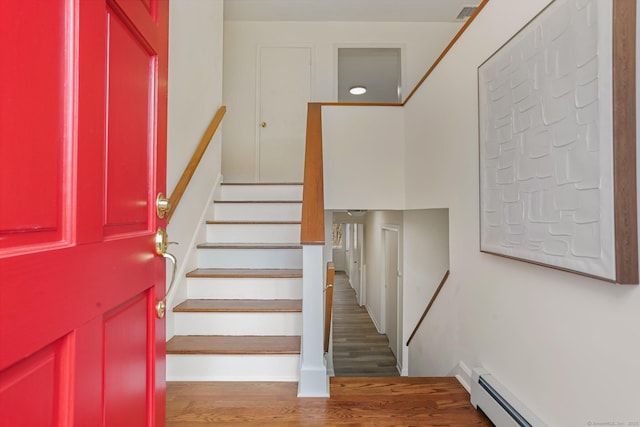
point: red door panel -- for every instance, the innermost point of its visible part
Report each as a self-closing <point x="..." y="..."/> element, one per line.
<point x="145" y="14"/>
<point x="131" y="70"/>
<point x="37" y="377"/>
<point x="82" y="155"/>
<point x="32" y="204"/>
<point x="38" y="372"/>
<point x="126" y="363"/>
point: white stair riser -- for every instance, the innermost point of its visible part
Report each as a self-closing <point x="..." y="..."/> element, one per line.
<point x="196" y="367"/>
<point x="257" y="211"/>
<point x="249" y="258"/>
<point x="261" y="192"/>
<point x="253" y="233"/>
<point x="238" y="323"/>
<point x="239" y="288"/>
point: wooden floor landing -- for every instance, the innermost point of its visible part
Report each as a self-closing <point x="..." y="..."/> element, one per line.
<point x="354" y="401"/>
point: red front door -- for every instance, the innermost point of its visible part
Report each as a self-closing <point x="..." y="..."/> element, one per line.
<point x="82" y="157"/>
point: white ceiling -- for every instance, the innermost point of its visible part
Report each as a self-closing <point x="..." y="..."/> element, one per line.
<point x="345" y="10"/>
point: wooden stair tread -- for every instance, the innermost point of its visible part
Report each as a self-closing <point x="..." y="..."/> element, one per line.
<point x="258" y="273"/>
<point x="395" y="385"/>
<point x="249" y="246"/>
<point x="201" y="344"/>
<point x="239" y="306"/>
<point x="255" y="222"/>
<point x="262" y="183"/>
<point x="258" y="201"/>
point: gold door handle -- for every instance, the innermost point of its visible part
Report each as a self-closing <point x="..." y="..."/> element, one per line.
<point x="263" y="124"/>
<point x="162" y="205"/>
<point x="161" y="249"/>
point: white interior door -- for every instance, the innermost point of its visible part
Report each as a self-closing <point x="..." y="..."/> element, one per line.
<point x="354" y="277"/>
<point x="391" y="289"/>
<point x="283" y="95"/>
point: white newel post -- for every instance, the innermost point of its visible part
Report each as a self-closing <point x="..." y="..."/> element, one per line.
<point x="314" y="381"/>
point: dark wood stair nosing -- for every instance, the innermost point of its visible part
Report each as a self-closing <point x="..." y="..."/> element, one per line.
<point x="234" y="345"/>
<point x="260" y="183"/>
<point x="239" y="306"/>
<point x="249" y="246"/>
<point x="254" y="222"/>
<point x="245" y="273"/>
<point x="259" y="201"/>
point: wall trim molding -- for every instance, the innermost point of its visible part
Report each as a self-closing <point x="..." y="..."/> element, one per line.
<point x="463" y="374"/>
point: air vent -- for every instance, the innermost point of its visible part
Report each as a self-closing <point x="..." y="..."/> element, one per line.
<point x="465" y="13"/>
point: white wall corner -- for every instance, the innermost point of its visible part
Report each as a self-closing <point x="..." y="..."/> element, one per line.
<point x="328" y="359"/>
<point x="404" y="371"/>
<point x="374" y="320"/>
<point x="463" y="374"/>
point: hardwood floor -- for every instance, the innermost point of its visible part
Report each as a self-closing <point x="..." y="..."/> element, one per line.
<point x="387" y="400"/>
<point x="358" y="349"/>
<point x="354" y="401"/>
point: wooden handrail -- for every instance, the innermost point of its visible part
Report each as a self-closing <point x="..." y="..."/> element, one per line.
<point x="446" y="49"/>
<point x="312" y="227"/>
<point x="331" y="272"/>
<point x="426" y="310"/>
<point x="178" y="192"/>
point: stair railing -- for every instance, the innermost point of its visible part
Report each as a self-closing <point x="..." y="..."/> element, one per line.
<point x="426" y="310"/>
<point x="312" y="228"/>
<point x="187" y="174"/>
<point x="328" y="304"/>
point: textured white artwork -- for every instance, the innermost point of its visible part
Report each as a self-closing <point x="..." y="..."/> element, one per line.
<point x="546" y="156"/>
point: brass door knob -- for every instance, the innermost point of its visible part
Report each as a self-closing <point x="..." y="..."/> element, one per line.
<point x="162" y="205"/>
<point x="263" y="124"/>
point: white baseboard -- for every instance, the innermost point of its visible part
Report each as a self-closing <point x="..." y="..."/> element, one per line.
<point x="373" y="319"/>
<point x="463" y="374"/>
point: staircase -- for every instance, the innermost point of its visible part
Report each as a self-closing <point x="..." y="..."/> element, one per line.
<point x="242" y="319"/>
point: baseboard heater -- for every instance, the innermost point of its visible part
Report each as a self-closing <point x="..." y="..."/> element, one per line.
<point x="499" y="404"/>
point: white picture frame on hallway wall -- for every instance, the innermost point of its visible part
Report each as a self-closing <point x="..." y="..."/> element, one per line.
<point x="557" y="141"/>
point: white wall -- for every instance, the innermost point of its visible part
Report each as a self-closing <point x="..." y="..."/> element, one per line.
<point x="426" y="259"/>
<point x="363" y="150"/>
<point x="374" y="260"/>
<point x="422" y="43"/>
<point x="566" y="345"/>
<point x="195" y="94"/>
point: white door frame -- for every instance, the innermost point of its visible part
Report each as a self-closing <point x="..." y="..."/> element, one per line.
<point x="362" y="291"/>
<point x="256" y="117"/>
<point x="393" y="228"/>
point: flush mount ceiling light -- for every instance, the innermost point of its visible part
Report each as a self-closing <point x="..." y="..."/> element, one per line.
<point x="357" y="90"/>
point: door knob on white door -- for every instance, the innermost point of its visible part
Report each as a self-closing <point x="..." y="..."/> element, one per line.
<point x="263" y="124"/>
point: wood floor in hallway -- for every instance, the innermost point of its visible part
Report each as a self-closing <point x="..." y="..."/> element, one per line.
<point x="358" y="349"/>
<point x="386" y="400"/>
<point x="354" y="401"/>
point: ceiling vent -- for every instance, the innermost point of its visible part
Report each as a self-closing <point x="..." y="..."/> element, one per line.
<point x="465" y="13"/>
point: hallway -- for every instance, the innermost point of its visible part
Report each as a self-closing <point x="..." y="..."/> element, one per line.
<point x="358" y="349"/>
